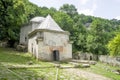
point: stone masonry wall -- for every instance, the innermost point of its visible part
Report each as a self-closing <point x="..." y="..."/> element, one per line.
<point x="24" y="34"/>
<point x="59" y="41"/>
<point x="115" y="61"/>
<point x="33" y="46"/>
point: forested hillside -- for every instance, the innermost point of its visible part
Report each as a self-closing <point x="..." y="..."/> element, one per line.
<point x="88" y="33"/>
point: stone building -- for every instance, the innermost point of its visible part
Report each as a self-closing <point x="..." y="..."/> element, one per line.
<point x="46" y="40"/>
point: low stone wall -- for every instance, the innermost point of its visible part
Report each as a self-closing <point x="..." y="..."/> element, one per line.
<point x="22" y="48"/>
<point x="114" y="61"/>
<point x="3" y="44"/>
<point x="85" y="56"/>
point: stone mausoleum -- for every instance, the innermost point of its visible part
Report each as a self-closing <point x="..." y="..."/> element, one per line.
<point x="46" y="40"/>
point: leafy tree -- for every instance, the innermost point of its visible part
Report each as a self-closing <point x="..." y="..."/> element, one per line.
<point x="15" y="13"/>
<point x="97" y="38"/>
<point x="44" y="11"/>
<point x="69" y="9"/>
<point x="12" y="15"/>
<point x="78" y="36"/>
<point x="83" y="19"/>
<point x="31" y="10"/>
<point x="53" y="9"/>
<point x="114" y="45"/>
<point x="64" y="21"/>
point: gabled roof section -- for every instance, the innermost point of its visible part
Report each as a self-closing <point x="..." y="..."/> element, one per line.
<point x="49" y="24"/>
<point x="37" y="19"/>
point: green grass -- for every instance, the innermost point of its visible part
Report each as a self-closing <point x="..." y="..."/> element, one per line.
<point x="105" y="70"/>
<point x="31" y="74"/>
<point x="6" y="75"/>
<point x="10" y="58"/>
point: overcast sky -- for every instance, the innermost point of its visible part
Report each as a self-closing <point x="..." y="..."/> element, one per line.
<point x="101" y="8"/>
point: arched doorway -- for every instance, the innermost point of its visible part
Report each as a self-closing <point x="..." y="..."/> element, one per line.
<point x="56" y="55"/>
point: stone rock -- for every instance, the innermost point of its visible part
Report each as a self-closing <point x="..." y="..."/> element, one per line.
<point x="77" y="66"/>
<point x="116" y="72"/>
<point x="30" y="63"/>
<point x="3" y="44"/>
<point x="57" y="65"/>
<point x="22" y="48"/>
<point x="92" y="62"/>
<point x="85" y="65"/>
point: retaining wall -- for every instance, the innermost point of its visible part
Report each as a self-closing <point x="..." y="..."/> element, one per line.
<point x="114" y="61"/>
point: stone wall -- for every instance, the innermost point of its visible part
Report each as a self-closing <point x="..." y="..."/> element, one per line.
<point x="3" y="43"/>
<point x="67" y="52"/>
<point x="33" y="45"/>
<point x="60" y="42"/>
<point x="55" y="39"/>
<point x="43" y="43"/>
<point x="44" y="52"/>
<point x="114" y="61"/>
<point x="24" y="34"/>
<point x="85" y="56"/>
<point x="25" y="30"/>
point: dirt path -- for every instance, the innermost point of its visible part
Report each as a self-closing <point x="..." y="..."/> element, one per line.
<point x="87" y="75"/>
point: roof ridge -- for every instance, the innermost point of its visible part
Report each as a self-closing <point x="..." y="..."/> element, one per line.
<point x="49" y="24"/>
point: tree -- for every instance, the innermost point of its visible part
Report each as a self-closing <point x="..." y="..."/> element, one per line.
<point x="78" y="36"/>
<point x="12" y="15"/>
<point x="53" y="9"/>
<point x="69" y="9"/>
<point x="64" y="21"/>
<point x="114" y="45"/>
<point x="97" y="38"/>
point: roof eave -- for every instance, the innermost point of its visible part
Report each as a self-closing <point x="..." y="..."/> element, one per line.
<point x="47" y="30"/>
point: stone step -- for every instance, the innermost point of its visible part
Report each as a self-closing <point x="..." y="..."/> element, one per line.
<point x="84" y="62"/>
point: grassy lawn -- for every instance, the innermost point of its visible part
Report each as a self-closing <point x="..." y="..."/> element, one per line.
<point x="11" y="58"/>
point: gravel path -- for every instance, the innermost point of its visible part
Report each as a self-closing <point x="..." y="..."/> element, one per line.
<point x="85" y="74"/>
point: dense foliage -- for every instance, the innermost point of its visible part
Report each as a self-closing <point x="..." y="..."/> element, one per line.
<point x="114" y="45"/>
<point x="88" y="33"/>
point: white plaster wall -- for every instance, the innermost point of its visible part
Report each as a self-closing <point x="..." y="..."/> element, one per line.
<point x="55" y="39"/>
<point x="24" y="33"/>
<point x="67" y="52"/>
<point x="25" y="30"/>
<point x="59" y="40"/>
<point x="35" y="25"/>
<point x="50" y="41"/>
<point x="33" y="46"/>
<point x="44" y="52"/>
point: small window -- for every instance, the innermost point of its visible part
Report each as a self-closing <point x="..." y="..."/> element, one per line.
<point x="40" y="35"/>
<point x="25" y="38"/>
<point x="32" y="47"/>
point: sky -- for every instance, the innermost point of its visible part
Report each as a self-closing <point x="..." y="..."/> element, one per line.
<point x="109" y="9"/>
